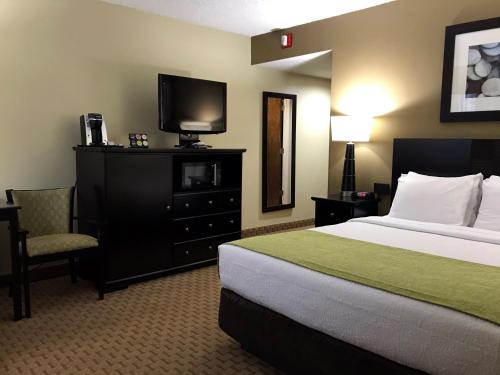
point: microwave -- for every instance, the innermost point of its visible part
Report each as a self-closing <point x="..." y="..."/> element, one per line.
<point x="200" y="175"/>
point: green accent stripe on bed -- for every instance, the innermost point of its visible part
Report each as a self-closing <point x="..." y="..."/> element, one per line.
<point x="463" y="286"/>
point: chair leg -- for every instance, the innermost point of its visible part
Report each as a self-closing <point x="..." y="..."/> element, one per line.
<point x="26" y="286"/>
<point x="72" y="270"/>
<point x="100" y="292"/>
<point x="102" y="273"/>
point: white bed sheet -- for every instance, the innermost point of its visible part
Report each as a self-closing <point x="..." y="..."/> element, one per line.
<point x="414" y="333"/>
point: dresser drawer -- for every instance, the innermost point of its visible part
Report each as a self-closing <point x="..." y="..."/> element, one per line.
<point x="230" y="200"/>
<point x="198" y="251"/>
<point x="336" y="209"/>
<point x="212" y="225"/>
<point x="328" y="214"/>
<point x="198" y="204"/>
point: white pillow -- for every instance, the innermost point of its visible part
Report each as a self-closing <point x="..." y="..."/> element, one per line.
<point x="475" y="198"/>
<point x="493" y="178"/>
<point x="489" y="211"/>
<point x="434" y="199"/>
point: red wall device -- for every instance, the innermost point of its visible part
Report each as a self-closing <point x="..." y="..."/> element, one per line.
<point x="286" y="40"/>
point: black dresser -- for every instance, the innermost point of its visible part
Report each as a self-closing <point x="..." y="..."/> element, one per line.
<point x="165" y="210"/>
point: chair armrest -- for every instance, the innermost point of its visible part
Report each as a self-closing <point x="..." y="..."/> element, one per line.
<point x="23" y="233"/>
<point x="100" y="226"/>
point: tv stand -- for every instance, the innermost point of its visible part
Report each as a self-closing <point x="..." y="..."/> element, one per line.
<point x="194" y="146"/>
<point x="155" y="225"/>
<point x="191" y="141"/>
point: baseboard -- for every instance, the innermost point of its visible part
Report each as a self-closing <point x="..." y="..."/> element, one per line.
<point x="41" y="273"/>
<point x="276" y="228"/>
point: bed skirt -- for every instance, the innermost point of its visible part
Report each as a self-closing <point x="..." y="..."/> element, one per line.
<point x="295" y="348"/>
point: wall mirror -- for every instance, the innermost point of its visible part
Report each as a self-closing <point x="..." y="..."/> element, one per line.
<point x="278" y="156"/>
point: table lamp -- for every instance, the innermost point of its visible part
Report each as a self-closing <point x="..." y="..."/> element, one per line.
<point x="350" y="129"/>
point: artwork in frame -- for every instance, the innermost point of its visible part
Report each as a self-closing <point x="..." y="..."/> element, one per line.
<point x="471" y="72"/>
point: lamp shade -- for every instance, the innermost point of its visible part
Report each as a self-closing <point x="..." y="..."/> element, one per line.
<point x="351" y="128"/>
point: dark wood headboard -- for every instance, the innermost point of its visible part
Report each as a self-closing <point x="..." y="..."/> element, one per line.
<point x="445" y="157"/>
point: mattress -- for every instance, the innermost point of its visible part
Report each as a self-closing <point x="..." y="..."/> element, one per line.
<point x="417" y="334"/>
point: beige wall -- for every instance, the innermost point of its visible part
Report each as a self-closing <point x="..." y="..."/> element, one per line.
<point x="62" y="58"/>
<point x="389" y="57"/>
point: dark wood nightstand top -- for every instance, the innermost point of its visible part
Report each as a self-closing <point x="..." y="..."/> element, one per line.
<point x="338" y="198"/>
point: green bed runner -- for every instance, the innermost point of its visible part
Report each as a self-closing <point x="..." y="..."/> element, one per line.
<point x="467" y="287"/>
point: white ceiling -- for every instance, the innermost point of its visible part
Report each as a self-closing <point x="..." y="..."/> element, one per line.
<point x="249" y="17"/>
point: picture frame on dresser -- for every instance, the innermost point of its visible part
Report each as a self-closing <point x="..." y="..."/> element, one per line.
<point x="471" y="72"/>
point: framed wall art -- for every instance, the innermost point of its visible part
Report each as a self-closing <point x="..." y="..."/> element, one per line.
<point x="471" y="72"/>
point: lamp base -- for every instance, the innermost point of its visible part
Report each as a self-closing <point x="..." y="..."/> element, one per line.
<point x="346" y="194"/>
<point x="349" y="175"/>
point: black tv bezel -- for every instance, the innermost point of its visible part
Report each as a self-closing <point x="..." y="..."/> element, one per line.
<point x="162" y="127"/>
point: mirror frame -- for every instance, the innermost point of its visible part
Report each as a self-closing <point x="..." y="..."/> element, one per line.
<point x="265" y="96"/>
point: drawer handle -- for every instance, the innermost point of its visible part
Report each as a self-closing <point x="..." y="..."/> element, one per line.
<point x="210" y="247"/>
<point x="231" y="200"/>
<point x="210" y="225"/>
<point x="231" y="221"/>
<point x="186" y="252"/>
<point x="186" y="229"/>
<point x="186" y="205"/>
<point x="168" y="208"/>
<point x="210" y="202"/>
<point x="332" y="214"/>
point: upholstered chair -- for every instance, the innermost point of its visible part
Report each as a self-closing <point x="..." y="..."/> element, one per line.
<point x="46" y="222"/>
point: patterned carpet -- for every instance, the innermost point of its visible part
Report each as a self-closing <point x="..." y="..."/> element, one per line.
<point x="164" y="326"/>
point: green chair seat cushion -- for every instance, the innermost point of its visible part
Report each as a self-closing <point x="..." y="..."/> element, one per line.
<point x="59" y="243"/>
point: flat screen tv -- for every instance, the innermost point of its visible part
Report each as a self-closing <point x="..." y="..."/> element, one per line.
<point x="191" y="106"/>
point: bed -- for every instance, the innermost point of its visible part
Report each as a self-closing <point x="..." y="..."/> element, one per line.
<point x="305" y="321"/>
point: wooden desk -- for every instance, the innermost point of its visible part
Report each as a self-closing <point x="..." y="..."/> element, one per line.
<point x="8" y="212"/>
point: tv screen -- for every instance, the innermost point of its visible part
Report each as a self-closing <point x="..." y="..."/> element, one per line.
<point x="188" y="105"/>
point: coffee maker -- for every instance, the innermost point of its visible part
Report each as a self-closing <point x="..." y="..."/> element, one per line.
<point x="93" y="130"/>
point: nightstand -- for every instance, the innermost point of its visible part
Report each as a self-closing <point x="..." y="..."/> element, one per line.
<point x="336" y="209"/>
